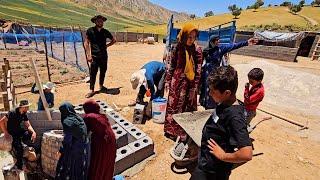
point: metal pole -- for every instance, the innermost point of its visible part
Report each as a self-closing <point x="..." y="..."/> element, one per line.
<point x="47" y="59"/>
<point x="50" y="42"/>
<point x="34" y="35"/>
<point x="85" y="52"/>
<point x="63" y="46"/>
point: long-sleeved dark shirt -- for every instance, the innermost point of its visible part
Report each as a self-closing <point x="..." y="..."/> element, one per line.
<point x="48" y="95"/>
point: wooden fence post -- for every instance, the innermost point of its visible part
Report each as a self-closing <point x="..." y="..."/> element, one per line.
<point x="4" y="39"/>
<point x="75" y="48"/>
<point x="47" y="59"/>
<point x="35" y="38"/>
<point x="50" y="42"/>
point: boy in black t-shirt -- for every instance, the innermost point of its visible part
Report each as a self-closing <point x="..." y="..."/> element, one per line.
<point x="225" y="139"/>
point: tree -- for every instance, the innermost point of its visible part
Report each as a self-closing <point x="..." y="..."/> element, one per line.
<point x="209" y="13"/>
<point x="260" y="2"/>
<point x="301" y="3"/>
<point x="316" y="2"/>
<point x="255" y="6"/>
<point x="192" y="16"/>
<point x="235" y="11"/>
<point x="295" y="8"/>
<point x="270" y="5"/>
<point x="286" y="3"/>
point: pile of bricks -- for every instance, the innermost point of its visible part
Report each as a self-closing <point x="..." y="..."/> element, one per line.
<point x="269" y="52"/>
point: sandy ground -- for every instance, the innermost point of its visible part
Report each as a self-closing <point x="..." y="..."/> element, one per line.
<point x="288" y="153"/>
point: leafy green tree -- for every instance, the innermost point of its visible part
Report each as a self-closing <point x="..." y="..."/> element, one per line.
<point x="209" y="13"/>
<point x="301" y="3"/>
<point x="235" y="11"/>
<point x="295" y="8"/>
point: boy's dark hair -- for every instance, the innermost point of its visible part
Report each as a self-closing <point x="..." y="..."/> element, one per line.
<point x="256" y="74"/>
<point x="224" y="78"/>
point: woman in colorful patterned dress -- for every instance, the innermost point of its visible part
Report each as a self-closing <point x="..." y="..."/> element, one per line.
<point x="183" y="76"/>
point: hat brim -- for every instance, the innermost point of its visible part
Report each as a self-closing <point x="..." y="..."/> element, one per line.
<point x="98" y="17"/>
<point x="27" y="105"/>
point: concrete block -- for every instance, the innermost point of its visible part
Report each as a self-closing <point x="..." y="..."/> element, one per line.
<point x="143" y="148"/>
<point x="121" y="135"/>
<point x="42" y="115"/>
<point x="56" y="115"/>
<point x="124" y="123"/>
<point x="136" y="134"/>
<point x="32" y="115"/>
<point x="124" y="159"/>
<point x="138" y="114"/>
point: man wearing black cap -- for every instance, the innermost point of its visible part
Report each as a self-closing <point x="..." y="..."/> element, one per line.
<point x="17" y="125"/>
<point x="96" y="50"/>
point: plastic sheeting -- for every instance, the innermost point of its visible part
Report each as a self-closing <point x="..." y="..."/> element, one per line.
<point x="277" y="36"/>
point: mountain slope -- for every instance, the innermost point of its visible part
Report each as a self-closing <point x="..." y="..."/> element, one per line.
<point x="140" y="9"/>
<point x="263" y="16"/>
<point x="120" y="13"/>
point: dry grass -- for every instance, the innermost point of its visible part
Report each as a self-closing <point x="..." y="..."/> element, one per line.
<point x="264" y="16"/>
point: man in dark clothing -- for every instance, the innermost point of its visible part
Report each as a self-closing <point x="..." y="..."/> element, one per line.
<point x="17" y="125"/>
<point x="150" y="75"/>
<point x="48" y="90"/>
<point x="96" y="51"/>
<point x="225" y="139"/>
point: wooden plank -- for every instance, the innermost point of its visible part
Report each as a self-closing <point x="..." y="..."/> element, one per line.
<point x="3" y="85"/>
<point x="39" y="85"/>
<point x="5" y="101"/>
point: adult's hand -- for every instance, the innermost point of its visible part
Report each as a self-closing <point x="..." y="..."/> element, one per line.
<point x="33" y="137"/>
<point x="253" y="41"/>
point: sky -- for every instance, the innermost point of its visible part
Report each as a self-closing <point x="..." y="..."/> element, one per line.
<point x="199" y="7"/>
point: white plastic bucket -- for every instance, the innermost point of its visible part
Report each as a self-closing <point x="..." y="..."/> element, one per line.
<point x="159" y="107"/>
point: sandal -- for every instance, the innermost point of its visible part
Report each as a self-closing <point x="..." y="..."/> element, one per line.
<point x="90" y="94"/>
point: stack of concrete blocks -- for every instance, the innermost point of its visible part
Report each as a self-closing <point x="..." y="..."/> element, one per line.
<point x="269" y="52"/>
<point x="50" y="145"/>
<point x="139" y="146"/>
<point x="138" y="114"/>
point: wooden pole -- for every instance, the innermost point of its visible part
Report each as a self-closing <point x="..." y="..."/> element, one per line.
<point x="39" y="85"/>
<point x="85" y="52"/>
<point x="4" y="39"/>
<point x="47" y="59"/>
<point x="34" y="35"/>
<point x="50" y="42"/>
<point x="75" y="48"/>
<point x="64" y="48"/>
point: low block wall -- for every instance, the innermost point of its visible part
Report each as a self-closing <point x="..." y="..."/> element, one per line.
<point x="269" y="52"/>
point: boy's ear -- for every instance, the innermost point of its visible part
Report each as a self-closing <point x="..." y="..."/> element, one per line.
<point x="227" y="92"/>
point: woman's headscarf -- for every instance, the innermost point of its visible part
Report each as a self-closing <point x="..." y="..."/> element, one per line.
<point x="182" y="39"/>
<point x="72" y="122"/>
<point x="185" y="31"/>
<point x="91" y="106"/>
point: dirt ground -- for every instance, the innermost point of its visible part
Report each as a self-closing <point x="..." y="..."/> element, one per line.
<point x="288" y="153"/>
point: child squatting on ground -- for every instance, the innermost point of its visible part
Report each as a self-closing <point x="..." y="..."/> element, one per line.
<point x="254" y="95"/>
<point x="225" y="139"/>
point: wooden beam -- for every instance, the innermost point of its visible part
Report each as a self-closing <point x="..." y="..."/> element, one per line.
<point x="39" y="85"/>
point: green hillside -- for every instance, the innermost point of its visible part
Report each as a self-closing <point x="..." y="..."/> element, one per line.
<point x="263" y="16"/>
<point x="60" y="13"/>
